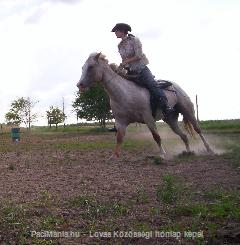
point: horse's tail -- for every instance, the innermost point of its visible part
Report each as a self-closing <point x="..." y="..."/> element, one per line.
<point x="186" y="108"/>
<point x="189" y="127"/>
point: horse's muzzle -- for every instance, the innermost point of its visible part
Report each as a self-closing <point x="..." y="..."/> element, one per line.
<point x="80" y="87"/>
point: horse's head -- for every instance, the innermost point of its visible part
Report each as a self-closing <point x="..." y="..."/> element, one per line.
<point x="91" y="72"/>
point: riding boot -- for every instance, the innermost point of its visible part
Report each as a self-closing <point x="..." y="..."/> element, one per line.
<point x="168" y="111"/>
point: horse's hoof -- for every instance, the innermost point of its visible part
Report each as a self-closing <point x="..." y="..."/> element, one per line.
<point x="163" y="156"/>
<point x="162" y="152"/>
<point x="186" y="154"/>
<point x="211" y="152"/>
<point x="112" y="158"/>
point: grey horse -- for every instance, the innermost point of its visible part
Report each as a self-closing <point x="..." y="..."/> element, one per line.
<point x="131" y="103"/>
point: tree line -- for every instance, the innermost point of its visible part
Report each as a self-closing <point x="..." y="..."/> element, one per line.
<point x="93" y="105"/>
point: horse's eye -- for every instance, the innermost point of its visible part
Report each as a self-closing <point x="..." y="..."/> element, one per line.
<point x="90" y="67"/>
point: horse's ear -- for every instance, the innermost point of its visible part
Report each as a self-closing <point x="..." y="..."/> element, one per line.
<point x="97" y="56"/>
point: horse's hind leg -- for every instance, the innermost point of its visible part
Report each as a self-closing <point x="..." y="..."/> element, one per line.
<point x="153" y="128"/>
<point x="199" y="131"/>
<point x="197" y="128"/>
<point x="176" y="129"/>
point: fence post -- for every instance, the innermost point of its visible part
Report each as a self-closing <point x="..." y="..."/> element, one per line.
<point x="197" y="107"/>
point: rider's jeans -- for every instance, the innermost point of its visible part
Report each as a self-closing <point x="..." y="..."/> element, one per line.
<point x="147" y="80"/>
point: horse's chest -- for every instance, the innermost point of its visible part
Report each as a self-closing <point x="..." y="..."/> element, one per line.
<point x="131" y="107"/>
<point x="130" y="115"/>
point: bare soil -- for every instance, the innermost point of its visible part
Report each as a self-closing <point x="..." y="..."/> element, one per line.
<point x="81" y="190"/>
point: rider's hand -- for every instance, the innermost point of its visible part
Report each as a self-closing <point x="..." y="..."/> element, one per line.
<point x="125" y="62"/>
<point x="122" y="66"/>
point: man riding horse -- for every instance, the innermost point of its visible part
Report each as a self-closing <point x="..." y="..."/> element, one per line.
<point x="135" y="62"/>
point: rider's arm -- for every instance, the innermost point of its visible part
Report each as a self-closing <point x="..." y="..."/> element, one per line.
<point x="137" y="46"/>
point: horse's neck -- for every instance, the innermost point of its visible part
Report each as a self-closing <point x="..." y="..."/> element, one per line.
<point x="113" y="83"/>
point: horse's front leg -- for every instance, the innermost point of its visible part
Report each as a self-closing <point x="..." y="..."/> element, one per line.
<point x="121" y="129"/>
<point x="153" y="128"/>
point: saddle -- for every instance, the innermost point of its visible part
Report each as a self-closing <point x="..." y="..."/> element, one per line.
<point x="169" y="92"/>
<point x="163" y="84"/>
<point x="166" y="85"/>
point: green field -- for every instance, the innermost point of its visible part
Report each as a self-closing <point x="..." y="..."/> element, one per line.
<point x="223" y="125"/>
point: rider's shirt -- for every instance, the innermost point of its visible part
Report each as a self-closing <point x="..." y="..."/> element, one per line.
<point x="131" y="46"/>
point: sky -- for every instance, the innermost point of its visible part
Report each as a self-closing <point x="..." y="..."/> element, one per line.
<point x="45" y="43"/>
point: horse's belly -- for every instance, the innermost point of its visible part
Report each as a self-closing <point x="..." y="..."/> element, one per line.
<point x="131" y="111"/>
<point x="129" y="116"/>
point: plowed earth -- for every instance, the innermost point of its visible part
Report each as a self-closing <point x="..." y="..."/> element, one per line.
<point x="66" y="183"/>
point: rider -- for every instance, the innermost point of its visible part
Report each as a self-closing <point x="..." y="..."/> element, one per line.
<point x="135" y="61"/>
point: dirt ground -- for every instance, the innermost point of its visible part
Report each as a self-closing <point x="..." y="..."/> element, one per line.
<point x="50" y="184"/>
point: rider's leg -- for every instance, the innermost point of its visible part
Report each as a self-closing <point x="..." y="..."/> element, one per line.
<point x="148" y="81"/>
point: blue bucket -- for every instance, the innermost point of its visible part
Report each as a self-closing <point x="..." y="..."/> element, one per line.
<point x="15" y="133"/>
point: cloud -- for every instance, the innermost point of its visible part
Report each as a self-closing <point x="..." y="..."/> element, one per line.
<point x="36" y="15"/>
<point x="38" y="10"/>
<point x="44" y="44"/>
<point x="65" y="1"/>
<point x="151" y="34"/>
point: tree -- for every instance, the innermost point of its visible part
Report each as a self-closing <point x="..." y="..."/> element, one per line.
<point x="55" y="116"/>
<point x="93" y="105"/>
<point x="21" y="112"/>
<point x="12" y="118"/>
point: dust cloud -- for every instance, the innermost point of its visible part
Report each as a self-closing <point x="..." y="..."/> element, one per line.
<point x="172" y="143"/>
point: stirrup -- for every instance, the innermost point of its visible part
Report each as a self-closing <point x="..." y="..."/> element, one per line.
<point x="168" y="113"/>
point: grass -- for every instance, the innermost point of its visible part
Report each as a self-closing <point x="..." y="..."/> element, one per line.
<point x="141" y="196"/>
<point x="81" y="201"/>
<point x="45" y="198"/>
<point x="90" y="130"/>
<point x="155" y="160"/>
<point x="82" y="145"/>
<point x="13" y="222"/>
<point x="170" y="190"/>
<point x="223" y="125"/>
<point x="65" y="141"/>
<point x="217" y="208"/>
<point x="12" y="216"/>
<point x="141" y="227"/>
<point x="234" y="155"/>
<point x="189" y="209"/>
<point x="51" y="222"/>
<point x="225" y="205"/>
<point x="88" y="145"/>
<point x="92" y="209"/>
<point x="182" y="213"/>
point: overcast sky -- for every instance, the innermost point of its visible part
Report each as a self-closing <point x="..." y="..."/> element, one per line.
<point x="196" y="43"/>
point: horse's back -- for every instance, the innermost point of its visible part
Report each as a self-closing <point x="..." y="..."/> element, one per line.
<point x="180" y="92"/>
<point x="184" y="102"/>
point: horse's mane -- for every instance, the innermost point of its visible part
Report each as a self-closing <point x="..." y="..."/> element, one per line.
<point x="117" y="69"/>
<point x="101" y="56"/>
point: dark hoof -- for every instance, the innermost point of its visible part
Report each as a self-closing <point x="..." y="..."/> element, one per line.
<point x="186" y="154"/>
<point x="112" y="129"/>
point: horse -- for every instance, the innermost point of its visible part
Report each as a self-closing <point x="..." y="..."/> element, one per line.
<point x="130" y="103"/>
